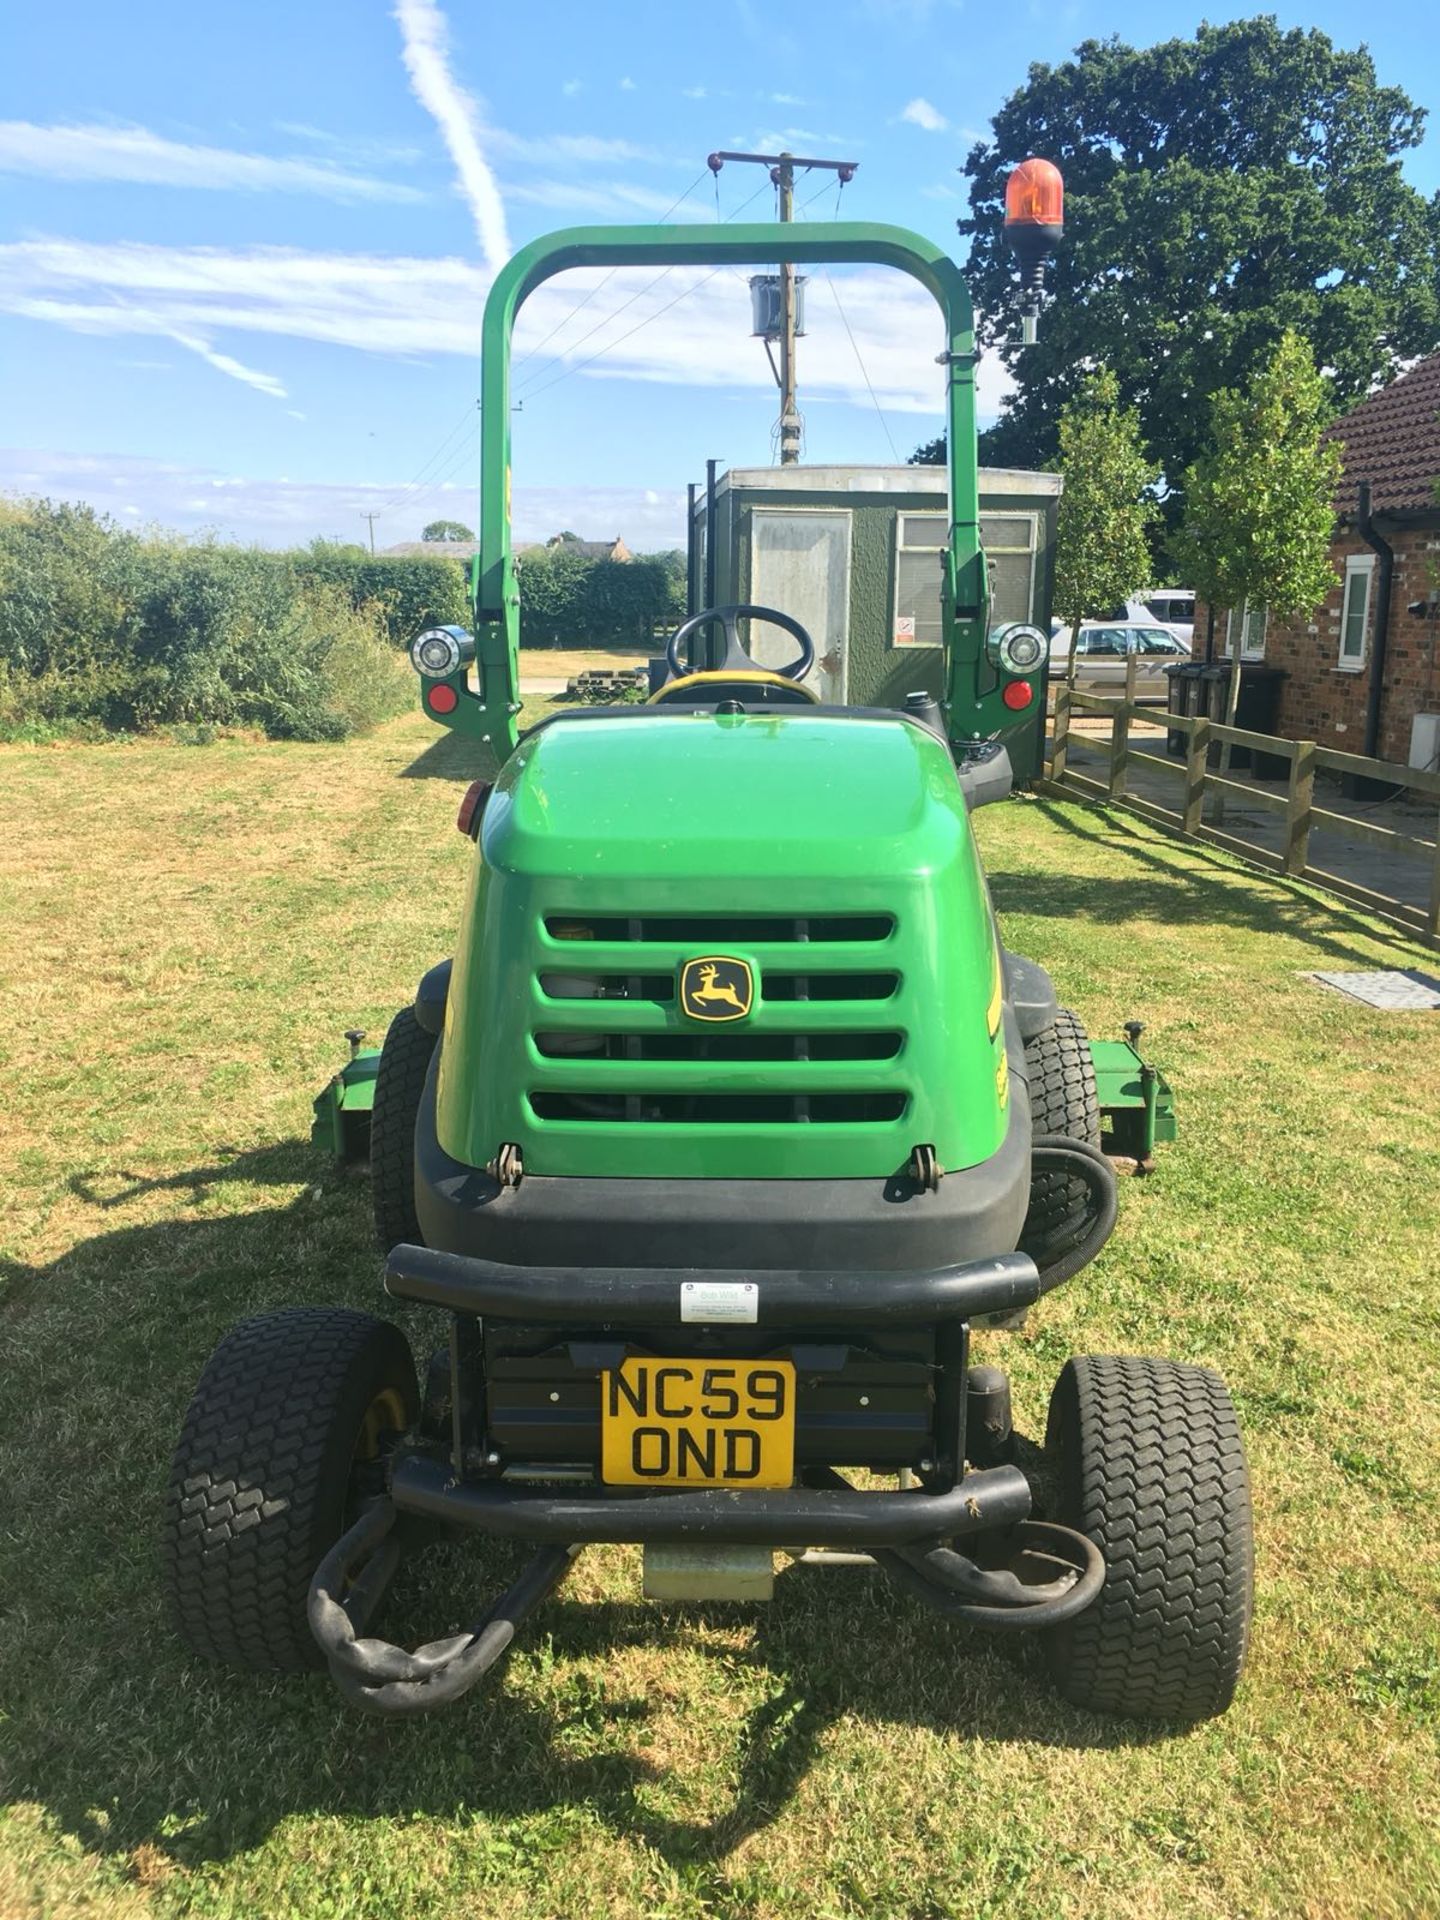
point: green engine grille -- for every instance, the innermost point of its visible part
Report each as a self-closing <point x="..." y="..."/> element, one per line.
<point x="821" y="1045"/>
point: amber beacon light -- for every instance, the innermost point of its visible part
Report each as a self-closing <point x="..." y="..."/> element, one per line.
<point x="1034" y="221"/>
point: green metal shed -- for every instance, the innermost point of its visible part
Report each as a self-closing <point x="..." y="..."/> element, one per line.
<point x="854" y="554"/>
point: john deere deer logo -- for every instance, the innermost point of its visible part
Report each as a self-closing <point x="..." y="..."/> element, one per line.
<point x="716" y="987"/>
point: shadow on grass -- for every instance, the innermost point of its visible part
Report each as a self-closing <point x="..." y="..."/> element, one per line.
<point x="452" y="756"/>
<point x="126" y="1740"/>
<point x="283" y="1164"/>
<point x="1183" y="884"/>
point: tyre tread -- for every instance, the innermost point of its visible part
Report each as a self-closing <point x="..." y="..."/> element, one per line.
<point x="1153" y="1468"/>
<point x="254" y="1499"/>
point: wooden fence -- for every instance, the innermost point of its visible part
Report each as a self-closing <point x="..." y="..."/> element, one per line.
<point x="1300" y="815"/>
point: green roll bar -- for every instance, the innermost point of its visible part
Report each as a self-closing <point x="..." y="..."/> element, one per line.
<point x="491" y="714"/>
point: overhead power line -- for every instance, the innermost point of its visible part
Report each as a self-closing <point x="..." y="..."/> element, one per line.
<point x="530" y="392"/>
<point x="860" y="362"/>
<point x="581" y="304"/>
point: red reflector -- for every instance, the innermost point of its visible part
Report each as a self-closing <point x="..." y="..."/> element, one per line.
<point x="1017" y="695"/>
<point x="473" y="805"/>
<point x="442" y="699"/>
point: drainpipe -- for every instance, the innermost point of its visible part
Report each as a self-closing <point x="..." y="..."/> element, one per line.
<point x="1365" y="527"/>
<point x="692" y="556"/>
<point x="711" y="532"/>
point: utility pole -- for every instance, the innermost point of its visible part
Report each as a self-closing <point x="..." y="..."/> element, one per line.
<point x="372" y="518"/>
<point x="782" y="172"/>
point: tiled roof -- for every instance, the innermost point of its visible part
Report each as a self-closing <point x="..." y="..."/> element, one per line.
<point x="1393" y="441"/>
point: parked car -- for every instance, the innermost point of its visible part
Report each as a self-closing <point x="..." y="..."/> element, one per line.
<point x="1173" y="607"/>
<point x="1104" y="649"/>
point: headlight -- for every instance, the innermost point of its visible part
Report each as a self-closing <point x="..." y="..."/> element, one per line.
<point x="1017" y="649"/>
<point x="441" y="651"/>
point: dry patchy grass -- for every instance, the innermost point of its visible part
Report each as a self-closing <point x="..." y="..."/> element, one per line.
<point x="183" y="934"/>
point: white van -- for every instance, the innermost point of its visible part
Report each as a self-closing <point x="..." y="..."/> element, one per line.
<point x="1176" y="607"/>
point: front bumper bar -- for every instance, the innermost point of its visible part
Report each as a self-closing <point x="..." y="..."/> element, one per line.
<point x="599" y="1298"/>
<point x="980" y="1502"/>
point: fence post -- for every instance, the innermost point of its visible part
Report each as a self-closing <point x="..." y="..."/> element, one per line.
<point x="1197" y="749"/>
<point x="1062" y="732"/>
<point x="1432" y="916"/>
<point x="1297" y="807"/>
<point x="1119" y="748"/>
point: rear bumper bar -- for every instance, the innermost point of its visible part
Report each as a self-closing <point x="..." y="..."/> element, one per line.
<point x="800" y="1516"/>
<point x="599" y="1298"/>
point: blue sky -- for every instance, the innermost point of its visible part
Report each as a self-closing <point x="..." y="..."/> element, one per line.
<point x="243" y="251"/>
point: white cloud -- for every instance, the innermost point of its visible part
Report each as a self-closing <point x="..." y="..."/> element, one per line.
<point x="920" y="113"/>
<point x="426" y="54"/>
<point x="695" y="93"/>
<point x="611" y="199"/>
<point x="585" y="149"/>
<point x="627" y="85"/>
<point x="136" y="157"/>
<point x="785" y="100"/>
<point x="571" y="88"/>
<point x="354" y="149"/>
<point x="398" y="304"/>
<point x="284" y="512"/>
<point x="226" y="363"/>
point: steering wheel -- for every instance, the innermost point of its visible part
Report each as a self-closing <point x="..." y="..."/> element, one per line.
<point x="737" y="660"/>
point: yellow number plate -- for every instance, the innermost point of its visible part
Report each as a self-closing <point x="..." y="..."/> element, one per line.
<point x="691" y="1423"/>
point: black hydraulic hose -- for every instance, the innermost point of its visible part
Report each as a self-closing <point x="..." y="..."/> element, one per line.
<point x="944" y="1587"/>
<point x="1091" y="1166"/>
<point x="953" y="1585"/>
<point x="387" y="1679"/>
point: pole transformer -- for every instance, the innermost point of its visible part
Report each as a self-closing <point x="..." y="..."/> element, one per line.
<point x="782" y="173"/>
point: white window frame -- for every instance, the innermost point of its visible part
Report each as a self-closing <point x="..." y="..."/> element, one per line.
<point x="897" y="638"/>
<point x="1246" y="615"/>
<point x="1031" y="549"/>
<point x="1358" y="566"/>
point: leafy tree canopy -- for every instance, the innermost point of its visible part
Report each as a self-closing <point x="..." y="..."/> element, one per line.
<point x="1259" y="506"/>
<point x="1218" y="191"/>
<point x="447" y="530"/>
<point x="1102" y="549"/>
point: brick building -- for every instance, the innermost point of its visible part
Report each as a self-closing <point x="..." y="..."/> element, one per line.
<point x="1391" y="441"/>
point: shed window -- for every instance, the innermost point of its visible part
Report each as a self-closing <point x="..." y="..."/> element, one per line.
<point x="1009" y="540"/>
<point x="919" y="561"/>
<point x="1355" y="610"/>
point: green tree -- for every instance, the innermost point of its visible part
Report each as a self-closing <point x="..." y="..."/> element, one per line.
<point x="1102" y="545"/>
<point x="447" y="530"/>
<point x="1260" y="502"/>
<point x="1218" y="191"/>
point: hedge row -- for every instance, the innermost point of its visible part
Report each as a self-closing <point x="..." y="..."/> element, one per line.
<point x="101" y="627"/>
<point x="568" y="600"/>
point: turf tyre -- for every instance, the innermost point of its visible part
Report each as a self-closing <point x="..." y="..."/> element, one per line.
<point x="399" y="1083"/>
<point x="1151" y="1466"/>
<point x="1063" y="1100"/>
<point x="265" y="1477"/>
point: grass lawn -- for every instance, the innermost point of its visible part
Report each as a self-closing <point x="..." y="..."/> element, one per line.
<point x="184" y="933"/>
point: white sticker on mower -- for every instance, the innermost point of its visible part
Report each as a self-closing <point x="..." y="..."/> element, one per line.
<point x="736" y="1301"/>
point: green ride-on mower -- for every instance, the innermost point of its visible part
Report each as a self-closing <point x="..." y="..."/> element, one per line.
<point x="729" y="1121"/>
